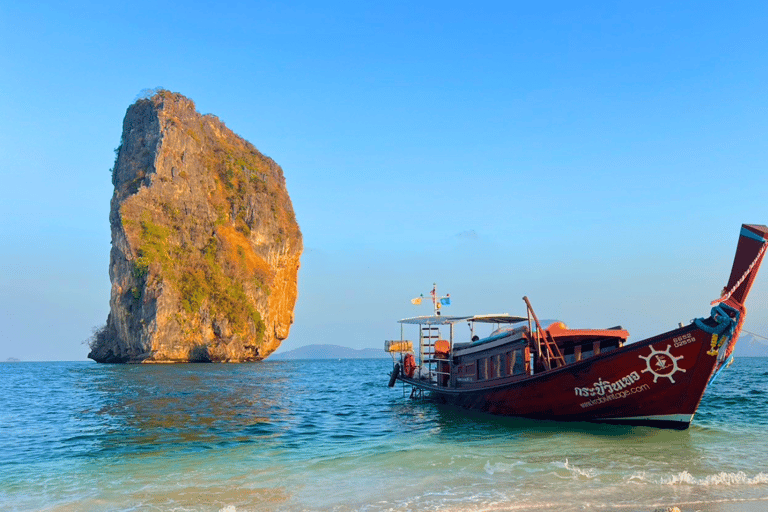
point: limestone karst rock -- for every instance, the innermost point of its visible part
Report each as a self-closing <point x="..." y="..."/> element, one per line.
<point x="205" y="244"/>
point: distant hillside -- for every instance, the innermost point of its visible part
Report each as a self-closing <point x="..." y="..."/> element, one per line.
<point x="330" y="352"/>
<point x="750" y="346"/>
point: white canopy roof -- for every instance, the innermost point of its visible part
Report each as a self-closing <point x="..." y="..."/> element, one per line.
<point x="501" y="318"/>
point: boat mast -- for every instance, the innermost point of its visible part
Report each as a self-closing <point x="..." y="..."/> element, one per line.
<point x="437" y="301"/>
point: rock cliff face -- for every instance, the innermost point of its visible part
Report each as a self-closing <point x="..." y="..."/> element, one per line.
<point x="205" y="244"/>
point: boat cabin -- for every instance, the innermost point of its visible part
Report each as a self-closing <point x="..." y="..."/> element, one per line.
<point x="497" y="349"/>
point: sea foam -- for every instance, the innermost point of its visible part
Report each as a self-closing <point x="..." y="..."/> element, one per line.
<point x="718" y="479"/>
<point x="722" y="478"/>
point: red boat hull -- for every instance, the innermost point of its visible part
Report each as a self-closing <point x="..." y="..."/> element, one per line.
<point x="659" y="382"/>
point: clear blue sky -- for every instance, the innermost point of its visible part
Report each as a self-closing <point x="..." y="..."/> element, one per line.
<point x="597" y="157"/>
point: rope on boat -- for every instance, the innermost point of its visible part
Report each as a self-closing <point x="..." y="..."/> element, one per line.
<point x="725" y="332"/>
<point x="728" y="294"/>
<point x="729" y="330"/>
<point x="737" y="331"/>
<point x="754" y="334"/>
<point x="725" y="323"/>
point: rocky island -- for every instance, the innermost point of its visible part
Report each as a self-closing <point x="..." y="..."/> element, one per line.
<point x="205" y="243"/>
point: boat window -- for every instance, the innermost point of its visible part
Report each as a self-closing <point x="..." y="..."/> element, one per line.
<point x="609" y="344"/>
<point x="569" y="355"/>
<point x="498" y="369"/>
<point x="587" y="350"/>
<point x="517" y="362"/>
<point x="482" y="369"/>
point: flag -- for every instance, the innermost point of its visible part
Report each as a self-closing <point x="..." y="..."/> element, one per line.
<point x="416" y="301"/>
<point x="445" y="301"/>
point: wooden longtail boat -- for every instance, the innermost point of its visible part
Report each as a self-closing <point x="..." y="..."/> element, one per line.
<point x="524" y="369"/>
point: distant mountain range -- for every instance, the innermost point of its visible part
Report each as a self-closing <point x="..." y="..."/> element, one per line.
<point x="330" y="352"/>
<point x="748" y="346"/>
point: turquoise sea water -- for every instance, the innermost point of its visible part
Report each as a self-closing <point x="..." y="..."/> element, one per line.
<point x="330" y="435"/>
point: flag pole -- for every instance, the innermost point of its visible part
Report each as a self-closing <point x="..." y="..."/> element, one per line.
<point x="437" y="301"/>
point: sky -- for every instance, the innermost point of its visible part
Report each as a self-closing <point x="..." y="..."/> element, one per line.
<point x="597" y="157"/>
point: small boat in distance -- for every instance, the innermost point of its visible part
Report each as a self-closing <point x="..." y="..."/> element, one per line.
<point x="528" y="370"/>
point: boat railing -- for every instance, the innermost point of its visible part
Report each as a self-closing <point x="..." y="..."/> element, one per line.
<point x="546" y="347"/>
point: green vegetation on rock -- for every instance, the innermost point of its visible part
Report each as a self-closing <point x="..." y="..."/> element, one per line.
<point x="205" y="241"/>
<point x="199" y="275"/>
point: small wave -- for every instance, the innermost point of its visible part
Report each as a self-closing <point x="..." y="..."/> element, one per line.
<point x="228" y="508"/>
<point x="573" y="472"/>
<point x="577" y="472"/>
<point x="719" y="479"/>
<point x="722" y="478"/>
<point x="500" y="467"/>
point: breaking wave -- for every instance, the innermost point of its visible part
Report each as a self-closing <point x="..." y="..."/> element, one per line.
<point x="722" y="478"/>
<point x="500" y="467"/>
<point x="571" y="471"/>
<point x="719" y="479"/>
<point x="576" y="472"/>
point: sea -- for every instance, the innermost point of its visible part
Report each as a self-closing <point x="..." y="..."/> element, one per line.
<point x="329" y="435"/>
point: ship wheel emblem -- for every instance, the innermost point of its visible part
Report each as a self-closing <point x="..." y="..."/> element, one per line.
<point x="661" y="363"/>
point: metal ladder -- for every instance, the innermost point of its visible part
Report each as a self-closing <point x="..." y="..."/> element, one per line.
<point x="552" y="357"/>
<point x="428" y="336"/>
